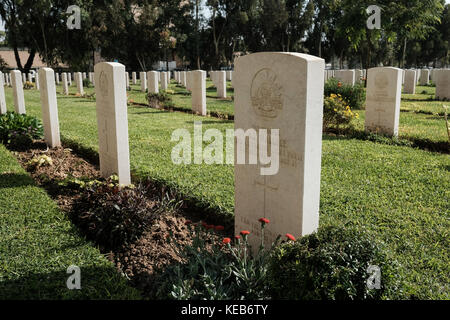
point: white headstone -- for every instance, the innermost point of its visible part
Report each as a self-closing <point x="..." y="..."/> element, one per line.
<point x="24" y="78"/>
<point x="19" y="100"/>
<point x="79" y="83"/>
<point x="279" y="91"/>
<point x="57" y="78"/>
<point x="442" y="81"/>
<point x="198" y="88"/>
<point x="127" y="79"/>
<point x="65" y="84"/>
<point x="424" y="77"/>
<point x="2" y="95"/>
<point x="112" y="120"/>
<point x="153" y="83"/>
<point x="164" y="81"/>
<point x="183" y="78"/>
<point x="143" y="79"/>
<point x="345" y="76"/>
<point x="384" y="91"/>
<point x="410" y="82"/>
<point x="221" y="84"/>
<point x="49" y="107"/>
<point x="36" y="79"/>
<point x="133" y="76"/>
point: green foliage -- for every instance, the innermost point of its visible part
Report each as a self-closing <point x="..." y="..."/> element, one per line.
<point x="39" y="243"/>
<point x="336" y="113"/>
<point x="213" y="270"/>
<point x="113" y="215"/>
<point x="331" y="264"/>
<point x="28" y="85"/>
<point x="355" y="96"/>
<point x="18" y="130"/>
<point x="87" y="83"/>
<point x="159" y="100"/>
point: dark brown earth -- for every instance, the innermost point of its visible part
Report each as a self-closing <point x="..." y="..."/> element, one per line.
<point x="139" y="260"/>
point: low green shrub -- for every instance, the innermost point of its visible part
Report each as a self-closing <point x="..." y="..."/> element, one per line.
<point x="87" y="83"/>
<point x="159" y="100"/>
<point x="355" y="96"/>
<point x="336" y="112"/>
<point x="17" y="131"/>
<point x="331" y="264"/>
<point x="28" y="85"/>
<point x="112" y="215"/>
<point x="214" y="270"/>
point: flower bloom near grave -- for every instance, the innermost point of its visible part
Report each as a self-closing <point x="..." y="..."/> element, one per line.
<point x="245" y="232"/>
<point x="226" y="240"/>
<point x="219" y="228"/>
<point x="290" y="237"/>
<point x="264" y="221"/>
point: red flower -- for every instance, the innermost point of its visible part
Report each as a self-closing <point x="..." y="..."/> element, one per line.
<point x="339" y="84"/>
<point x="226" y="240"/>
<point x="237" y="237"/>
<point x="245" y="232"/>
<point x="219" y="228"/>
<point x="290" y="237"/>
<point x="264" y="220"/>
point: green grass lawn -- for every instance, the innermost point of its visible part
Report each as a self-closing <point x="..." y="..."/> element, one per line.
<point x="38" y="243"/>
<point x="400" y="194"/>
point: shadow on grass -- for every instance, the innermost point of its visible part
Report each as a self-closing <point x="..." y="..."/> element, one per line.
<point x="97" y="282"/>
<point x="14" y="180"/>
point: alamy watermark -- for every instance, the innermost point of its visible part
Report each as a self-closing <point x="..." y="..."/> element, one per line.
<point x="74" y="281"/>
<point x="74" y="20"/>
<point x="252" y="145"/>
<point x="374" y="280"/>
<point x="374" y="20"/>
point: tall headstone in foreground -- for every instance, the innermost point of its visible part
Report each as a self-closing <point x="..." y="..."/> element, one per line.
<point x="2" y="95"/>
<point x="424" y="77"/>
<point x="19" y="99"/>
<point x="346" y="76"/>
<point x="198" y="88"/>
<point x="410" y="82"/>
<point x="79" y="82"/>
<point x="279" y="91"/>
<point x="384" y="90"/>
<point x="112" y="120"/>
<point x="65" y="84"/>
<point x="221" y="84"/>
<point x="442" y="80"/>
<point x="49" y="107"/>
<point x="153" y="83"/>
<point x="143" y="81"/>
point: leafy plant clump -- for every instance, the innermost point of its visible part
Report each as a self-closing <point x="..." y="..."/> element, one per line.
<point x="17" y="131"/>
<point x="332" y="264"/>
<point x="215" y="270"/>
<point x="28" y="85"/>
<point x="159" y="100"/>
<point x="114" y="215"/>
<point x="336" y="113"/>
<point x="354" y="96"/>
<point x="87" y="83"/>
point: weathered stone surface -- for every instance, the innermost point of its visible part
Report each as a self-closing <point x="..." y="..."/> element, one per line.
<point x="112" y="120"/>
<point x="384" y="89"/>
<point x="442" y="84"/>
<point x="198" y="88"/>
<point x="410" y="82"/>
<point x="17" y="85"/>
<point x="49" y="107"/>
<point x="279" y="91"/>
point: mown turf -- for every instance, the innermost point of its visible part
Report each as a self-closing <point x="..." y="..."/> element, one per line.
<point x="399" y="193"/>
<point x="38" y="243"/>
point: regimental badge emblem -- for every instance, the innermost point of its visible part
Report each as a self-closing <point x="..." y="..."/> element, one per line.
<point x="103" y="84"/>
<point x="266" y="94"/>
<point x="381" y="81"/>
